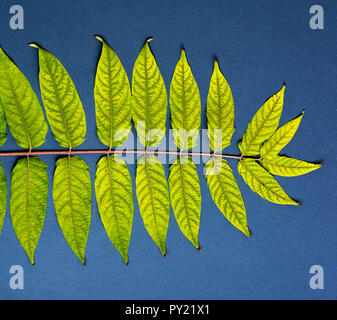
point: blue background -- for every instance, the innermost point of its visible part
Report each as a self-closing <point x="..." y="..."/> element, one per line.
<point x="259" y="44"/>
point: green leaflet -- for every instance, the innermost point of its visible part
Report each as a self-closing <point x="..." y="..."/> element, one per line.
<point x="226" y="193"/>
<point x="288" y="167"/>
<point x="186" y="197"/>
<point x="61" y="100"/>
<point x="72" y="201"/>
<point x="153" y="198"/>
<point x="114" y="196"/>
<point x="28" y="202"/>
<point x="263" y="183"/>
<point x="3" y="135"/>
<point x="21" y="106"/>
<point x="280" y="138"/>
<point x="3" y="196"/>
<point x="112" y="98"/>
<point x="220" y="111"/>
<point x="185" y="105"/>
<point x="263" y="124"/>
<point x="149" y="99"/>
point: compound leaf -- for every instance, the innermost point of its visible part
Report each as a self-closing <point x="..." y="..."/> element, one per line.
<point x="61" y="100"/>
<point x="220" y="111"/>
<point x="280" y="138"/>
<point x="226" y="193"/>
<point x="3" y="196"/>
<point x="263" y="124"/>
<point x="288" y="167"/>
<point x="185" y="105"/>
<point x="3" y="135"/>
<point x="149" y="99"/>
<point x="263" y="183"/>
<point x="112" y="98"/>
<point x="21" y="106"/>
<point x="153" y="198"/>
<point x="114" y="196"/>
<point x="28" y="202"/>
<point x="186" y="197"/>
<point x="72" y="201"/>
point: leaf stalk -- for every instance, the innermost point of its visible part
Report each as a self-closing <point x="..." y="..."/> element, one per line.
<point x="109" y="151"/>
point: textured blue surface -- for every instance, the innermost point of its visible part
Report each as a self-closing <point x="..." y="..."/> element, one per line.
<point x="259" y="44"/>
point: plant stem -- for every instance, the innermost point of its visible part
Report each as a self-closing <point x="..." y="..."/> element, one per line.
<point x="70" y="152"/>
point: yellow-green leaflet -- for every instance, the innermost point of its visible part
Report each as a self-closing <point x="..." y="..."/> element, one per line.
<point x="153" y="198"/>
<point x="114" y="196"/>
<point x="186" y="197"/>
<point x="226" y="193"/>
<point x="28" y="202"/>
<point x="3" y="196"/>
<point x="263" y="183"/>
<point x="61" y="100"/>
<point x="280" y="138"/>
<point x="220" y="111"/>
<point x="21" y="106"/>
<point x="185" y="105"/>
<point x="112" y="98"/>
<point x="263" y="125"/>
<point x="72" y="201"/>
<point x="149" y="99"/>
<point x="288" y="167"/>
<point x="3" y="135"/>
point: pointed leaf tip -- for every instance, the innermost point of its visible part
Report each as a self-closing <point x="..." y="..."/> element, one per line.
<point x="281" y="91"/>
<point x="182" y="52"/>
<point x="33" y="45"/>
<point x="99" y="38"/>
<point x="149" y="39"/>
